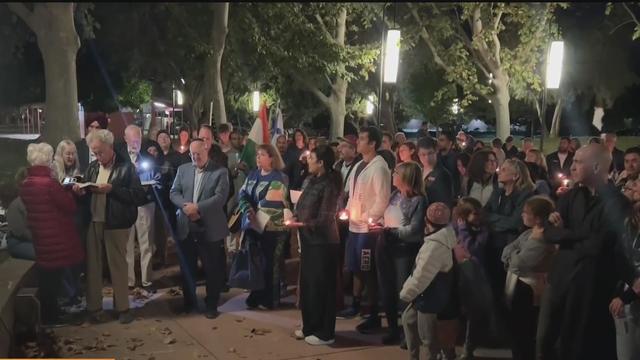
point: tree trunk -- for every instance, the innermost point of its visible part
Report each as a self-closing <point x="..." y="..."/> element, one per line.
<point x="59" y="43"/>
<point x="338" y="108"/>
<point x="555" y="123"/>
<point x="214" y="63"/>
<point x="500" y="104"/>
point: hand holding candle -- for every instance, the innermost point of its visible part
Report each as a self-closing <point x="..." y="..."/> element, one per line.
<point x="344" y="215"/>
<point x="373" y="225"/>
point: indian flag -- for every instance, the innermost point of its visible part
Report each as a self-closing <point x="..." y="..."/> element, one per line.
<point x="258" y="135"/>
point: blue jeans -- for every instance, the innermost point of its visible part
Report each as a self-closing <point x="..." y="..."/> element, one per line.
<point x="21" y="249"/>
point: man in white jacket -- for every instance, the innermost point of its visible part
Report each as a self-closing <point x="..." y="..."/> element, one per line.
<point x="369" y="192"/>
<point x="428" y="290"/>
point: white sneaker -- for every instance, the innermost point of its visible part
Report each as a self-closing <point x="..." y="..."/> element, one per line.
<point x="314" y="340"/>
<point x="299" y="334"/>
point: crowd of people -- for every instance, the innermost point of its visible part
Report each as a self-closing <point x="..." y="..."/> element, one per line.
<point x="445" y="234"/>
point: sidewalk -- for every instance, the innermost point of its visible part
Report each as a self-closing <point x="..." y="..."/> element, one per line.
<point x="159" y="334"/>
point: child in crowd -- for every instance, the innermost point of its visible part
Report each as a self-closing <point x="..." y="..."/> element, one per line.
<point x="475" y="292"/>
<point x="527" y="260"/>
<point x="430" y="289"/>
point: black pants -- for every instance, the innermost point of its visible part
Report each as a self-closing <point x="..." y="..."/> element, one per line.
<point x="523" y="323"/>
<point x="318" y="290"/>
<point x="394" y="265"/>
<point x="50" y="283"/>
<point x="272" y="246"/>
<point x="211" y="254"/>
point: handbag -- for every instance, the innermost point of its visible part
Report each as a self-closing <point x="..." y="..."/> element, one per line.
<point x="248" y="265"/>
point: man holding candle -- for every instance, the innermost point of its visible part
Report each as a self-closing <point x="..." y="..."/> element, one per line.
<point x="559" y="162"/>
<point x="369" y="191"/>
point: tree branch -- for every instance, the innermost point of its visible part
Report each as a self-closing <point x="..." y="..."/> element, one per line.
<point x="483" y="49"/>
<point x="324" y="99"/>
<point x="496" y="41"/>
<point x="462" y="35"/>
<point x="633" y="16"/>
<point x="621" y="25"/>
<point x="25" y="14"/>
<point x="436" y="57"/>
<point x="323" y="27"/>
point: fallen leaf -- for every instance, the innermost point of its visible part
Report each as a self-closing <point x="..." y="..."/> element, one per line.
<point x="151" y="358"/>
<point x="169" y="341"/>
<point x="214" y="328"/>
<point x="106" y="334"/>
<point x="232" y="350"/>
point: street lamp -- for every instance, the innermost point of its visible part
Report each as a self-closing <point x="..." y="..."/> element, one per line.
<point x="553" y="76"/>
<point x="554" y="65"/>
<point x="392" y="56"/>
<point x="256" y="101"/>
<point x="179" y="97"/>
<point x="369" y="108"/>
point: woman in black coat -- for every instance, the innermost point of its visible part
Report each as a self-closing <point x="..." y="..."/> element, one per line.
<point x="316" y="221"/>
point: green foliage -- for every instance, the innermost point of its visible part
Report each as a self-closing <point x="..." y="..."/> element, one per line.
<point x="135" y="93"/>
<point x="296" y="39"/>
<point x="477" y="40"/>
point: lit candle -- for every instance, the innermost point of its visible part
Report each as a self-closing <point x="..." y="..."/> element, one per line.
<point x="287" y="222"/>
<point x="306" y="153"/>
<point x="181" y="148"/>
<point x="370" y="221"/>
<point x="464" y="144"/>
<point x="565" y="182"/>
<point x="560" y="175"/>
<point x="344" y="216"/>
<point x="497" y="169"/>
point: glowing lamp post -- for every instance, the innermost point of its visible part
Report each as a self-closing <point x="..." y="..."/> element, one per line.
<point x="392" y="56"/>
<point x="390" y="60"/>
<point x="554" y="65"/>
<point x="552" y="79"/>
<point x="369" y="108"/>
<point x="256" y="101"/>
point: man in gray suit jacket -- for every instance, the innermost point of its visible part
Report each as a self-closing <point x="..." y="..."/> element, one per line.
<point x="200" y="191"/>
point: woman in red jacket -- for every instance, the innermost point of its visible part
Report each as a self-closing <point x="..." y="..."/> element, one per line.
<point x="50" y="215"/>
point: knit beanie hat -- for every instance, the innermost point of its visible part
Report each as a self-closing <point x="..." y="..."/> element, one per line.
<point x="438" y="214"/>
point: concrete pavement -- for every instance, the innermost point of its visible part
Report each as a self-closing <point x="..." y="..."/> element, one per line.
<point x="159" y="334"/>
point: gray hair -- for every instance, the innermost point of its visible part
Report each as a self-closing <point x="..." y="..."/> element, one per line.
<point x="58" y="161"/>
<point x="103" y="135"/>
<point x="40" y="154"/>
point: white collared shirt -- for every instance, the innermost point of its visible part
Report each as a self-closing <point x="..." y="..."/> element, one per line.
<point x="197" y="184"/>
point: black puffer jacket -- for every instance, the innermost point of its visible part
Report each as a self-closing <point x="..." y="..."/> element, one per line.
<point x="126" y="194"/>
<point x="316" y="208"/>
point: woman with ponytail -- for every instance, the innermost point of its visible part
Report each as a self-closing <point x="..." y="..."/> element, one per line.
<point x="316" y="223"/>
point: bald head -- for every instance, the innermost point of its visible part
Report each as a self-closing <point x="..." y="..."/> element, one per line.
<point x="591" y="164"/>
<point x="133" y="137"/>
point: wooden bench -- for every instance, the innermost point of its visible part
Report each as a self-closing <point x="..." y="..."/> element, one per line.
<point x="14" y="274"/>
